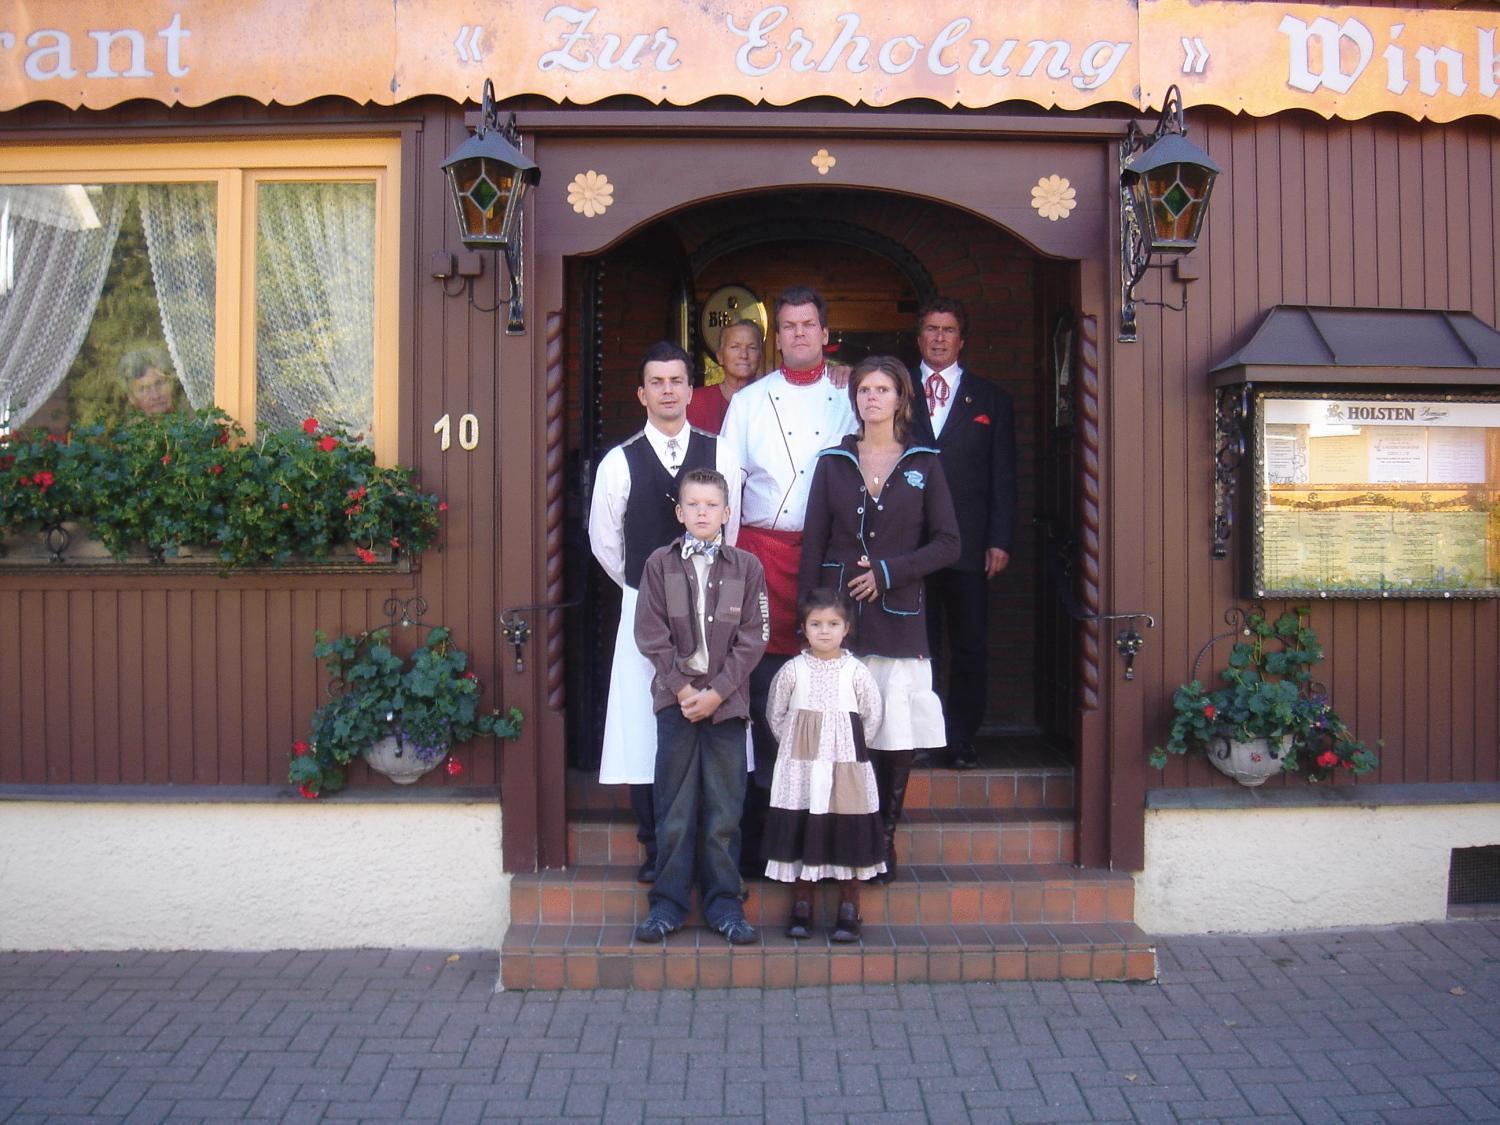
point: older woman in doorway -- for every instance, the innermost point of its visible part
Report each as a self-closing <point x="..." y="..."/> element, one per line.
<point x="739" y="354"/>
<point x="879" y="520"/>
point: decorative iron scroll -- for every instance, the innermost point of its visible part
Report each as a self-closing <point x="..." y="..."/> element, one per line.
<point x="1231" y="413"/>
<point x="1090" y="580"/>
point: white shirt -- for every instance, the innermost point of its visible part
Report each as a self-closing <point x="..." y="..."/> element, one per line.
<point x="775" y="430"/>
<point x="951" y="374"/>
<point x="612" y="493"/>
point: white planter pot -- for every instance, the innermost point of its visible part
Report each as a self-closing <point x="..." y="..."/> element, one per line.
<point x="1249" y="763"/>
<point x="399" y="760"/>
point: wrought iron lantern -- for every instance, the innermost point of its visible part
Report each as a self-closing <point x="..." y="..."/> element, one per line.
<point x="488" y="177"/>
<point x="1165" y="182"/>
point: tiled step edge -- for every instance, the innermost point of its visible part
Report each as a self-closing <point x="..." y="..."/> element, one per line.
<point x="958" y="894"/>
<point x="587" y="957"/>
<point x="963" y="835"/>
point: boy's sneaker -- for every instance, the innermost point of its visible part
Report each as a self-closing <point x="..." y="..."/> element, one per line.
<point x="655" y="929"/>
<point x="737" y="931"/>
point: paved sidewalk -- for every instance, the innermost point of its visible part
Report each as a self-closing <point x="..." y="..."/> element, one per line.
<point x="1377" y="1025"/>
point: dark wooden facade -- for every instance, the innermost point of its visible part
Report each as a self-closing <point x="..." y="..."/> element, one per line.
<point x="116" y="678"/>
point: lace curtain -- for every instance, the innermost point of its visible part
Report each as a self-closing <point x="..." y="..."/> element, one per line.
<point x="314" y="283"/>
<point x="315" y="303"/>
<point x="57" y="240"/>
<point x="181" y="224"/>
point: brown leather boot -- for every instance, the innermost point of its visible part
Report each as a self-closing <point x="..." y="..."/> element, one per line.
<point x="847" y="928"/>
<point x="799" y="925"/>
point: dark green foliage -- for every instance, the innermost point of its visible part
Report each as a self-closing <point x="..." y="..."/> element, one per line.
<point x="162" y="482"/>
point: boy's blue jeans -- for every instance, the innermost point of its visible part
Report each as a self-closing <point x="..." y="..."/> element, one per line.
<point x="699" y="791"/>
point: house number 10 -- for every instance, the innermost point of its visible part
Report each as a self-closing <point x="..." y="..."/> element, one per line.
<point x="468" y="432"/>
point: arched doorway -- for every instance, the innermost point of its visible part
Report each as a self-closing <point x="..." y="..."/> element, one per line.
<point x="875" y="256"/>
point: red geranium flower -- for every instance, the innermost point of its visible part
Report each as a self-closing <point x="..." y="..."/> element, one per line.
<point x="1328" y="759"/>
<point x="442" y="505"/>
<point x="43" y="480"/>
<point x="470" y="676"/>
<point x="454" y="767"/>
<point x="284" y="505"/>
<point x="328" y="444"/>
<point x="308" y="791"/>
<point x="309" y="425"/>
<point x="365" y="554"/>
<point x="216" y="469"/>
<point x="1208" y="711"/>
<point x="166" y="458"/>
<point x="7" y="461"/>
<point x="223" y="438"/>
<point x="396" y="543"/>
<point x="299" y="748"/>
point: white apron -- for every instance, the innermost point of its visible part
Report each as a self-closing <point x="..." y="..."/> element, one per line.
<point x="629" y="754"/>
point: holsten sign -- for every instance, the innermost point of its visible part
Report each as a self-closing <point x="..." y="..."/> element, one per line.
<point x="1260" y="58"/>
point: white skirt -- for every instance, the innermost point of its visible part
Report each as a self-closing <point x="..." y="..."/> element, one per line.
<point x="629" y="753"/>
<point x="913" y="712"/>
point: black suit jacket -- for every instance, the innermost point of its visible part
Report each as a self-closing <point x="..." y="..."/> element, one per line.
<point x="978" y="450"/>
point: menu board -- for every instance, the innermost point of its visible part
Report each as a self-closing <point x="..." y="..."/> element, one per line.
<point x="1366" y="496"/>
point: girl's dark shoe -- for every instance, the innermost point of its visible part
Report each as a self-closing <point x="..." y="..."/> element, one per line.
<point x="848" y="925"/>
<point x="800" y="923"/>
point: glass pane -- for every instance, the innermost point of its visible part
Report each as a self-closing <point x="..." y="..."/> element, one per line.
<point x="106" y="301"/>
<point x="315" y="304"/>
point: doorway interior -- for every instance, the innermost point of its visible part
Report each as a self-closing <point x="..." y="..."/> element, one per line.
<point x="875" y="256"/>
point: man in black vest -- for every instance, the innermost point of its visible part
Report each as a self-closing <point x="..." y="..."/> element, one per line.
<point x="971" y="424"/>
<point x="633" y="512"/>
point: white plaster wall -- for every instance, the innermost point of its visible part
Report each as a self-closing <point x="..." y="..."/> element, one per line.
<point x="251" y="876"/>
<point x="1259" y="870"/>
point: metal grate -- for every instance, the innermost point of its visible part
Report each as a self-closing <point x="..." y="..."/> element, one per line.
<point x="1474" y="876"/>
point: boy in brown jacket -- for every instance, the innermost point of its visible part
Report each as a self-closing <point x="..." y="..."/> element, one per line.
<point x="701" y="620"/>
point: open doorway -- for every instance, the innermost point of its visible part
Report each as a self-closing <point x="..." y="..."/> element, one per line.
<point x="875" y="257"/>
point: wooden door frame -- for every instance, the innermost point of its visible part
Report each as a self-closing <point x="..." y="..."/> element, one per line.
<point x="659" y="162"/>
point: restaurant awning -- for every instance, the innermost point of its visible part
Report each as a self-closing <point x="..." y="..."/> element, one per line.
<point x="1333" y="344"/>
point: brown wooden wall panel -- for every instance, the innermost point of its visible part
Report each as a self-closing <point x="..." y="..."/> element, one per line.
<point x="1377" y="212"/>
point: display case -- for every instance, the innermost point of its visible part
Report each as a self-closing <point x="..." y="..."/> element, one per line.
<point x="1374" y="495"/>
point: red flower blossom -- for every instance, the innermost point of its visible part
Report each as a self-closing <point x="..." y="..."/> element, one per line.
<point x="43" y="480"/>
<point x="1328" y="759"/>
<point x="299" y="748"/>
<point x="1208" y="711"/>
<point x="442" y="505"/>
<point x="454" y="767"/>
<point x="396" y="543"/>
<point x="23" y="481"/>
<point x="284" y="505"/>
<point x="365" y="554"/>
<point x="223" y="436"/>
<point x="470" y="676"/>
<point x="216" y="469"/>
<point x="7" y="461"/>
<point x="166" y="458"/>
<point x="309" y="425"/>
<point x="356" y="493"/>
<point x="328" y="444"/>
<point x="308" y="791"/>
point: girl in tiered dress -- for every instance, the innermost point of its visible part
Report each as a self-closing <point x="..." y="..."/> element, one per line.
<point x="824" y="821"/>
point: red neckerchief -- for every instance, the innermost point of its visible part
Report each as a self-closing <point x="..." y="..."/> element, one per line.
<point x="804" y="378"/>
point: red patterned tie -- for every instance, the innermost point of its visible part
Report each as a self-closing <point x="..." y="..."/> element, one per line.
<point x="937" y="392"/>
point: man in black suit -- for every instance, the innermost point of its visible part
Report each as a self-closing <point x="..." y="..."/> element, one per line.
<point x="970" y="422"/>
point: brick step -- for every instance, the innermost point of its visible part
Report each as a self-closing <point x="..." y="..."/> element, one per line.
<point x="923" y="894"/>
<point x="979" y="835"/>
<point x="998" y="788"/>
<point x="603" y="956"/>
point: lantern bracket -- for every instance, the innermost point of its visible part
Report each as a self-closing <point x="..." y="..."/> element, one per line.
<point x="1137" y="245"/>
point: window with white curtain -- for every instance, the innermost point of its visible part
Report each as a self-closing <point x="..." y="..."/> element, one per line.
<point x="258" y="276"/>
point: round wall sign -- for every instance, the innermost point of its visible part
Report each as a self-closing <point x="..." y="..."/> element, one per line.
<point x="724" y="306"/>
